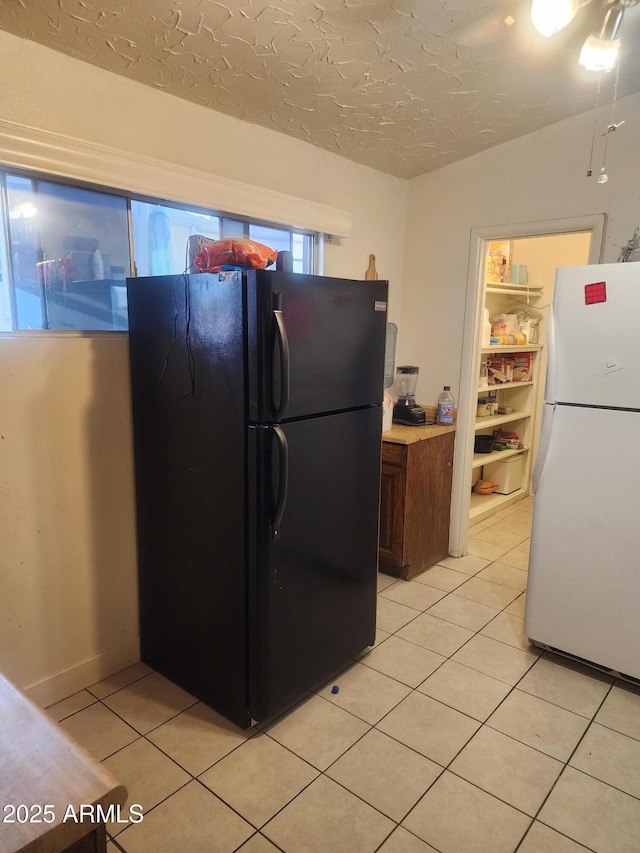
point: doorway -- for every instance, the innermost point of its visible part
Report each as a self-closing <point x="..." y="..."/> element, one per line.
<point x="541" y="248"/>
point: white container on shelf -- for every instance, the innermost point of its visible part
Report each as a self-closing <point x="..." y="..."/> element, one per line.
<point x="486" y="329"/>
<point x="508" y="473"/>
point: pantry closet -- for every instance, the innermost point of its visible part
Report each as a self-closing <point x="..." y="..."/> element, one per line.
<point x="506" y="376"/>
<point x="508" y="382"/>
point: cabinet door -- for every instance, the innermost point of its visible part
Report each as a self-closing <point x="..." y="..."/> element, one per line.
<point x="428" y="502"/>
<point x="392" y="492"/>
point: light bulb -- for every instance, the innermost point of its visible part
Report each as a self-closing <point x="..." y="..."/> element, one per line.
<point x="28" y="209"/>
<point x="549" y="16"/>
<point x="603" y="177"/>
<point x="599" y="54"/>
<point x="23" y="210"/>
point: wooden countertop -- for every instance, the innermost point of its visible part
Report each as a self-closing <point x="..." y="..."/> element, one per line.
<point x="40" y="765"/>
<point x="399" y="434"/>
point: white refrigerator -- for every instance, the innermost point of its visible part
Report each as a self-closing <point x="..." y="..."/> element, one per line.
<point x="583" y="595"/>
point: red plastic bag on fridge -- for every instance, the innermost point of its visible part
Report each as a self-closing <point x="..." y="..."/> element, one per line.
<point x="235" y="252"/>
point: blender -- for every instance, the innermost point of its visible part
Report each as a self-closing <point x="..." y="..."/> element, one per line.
<point x="405" y="410"/>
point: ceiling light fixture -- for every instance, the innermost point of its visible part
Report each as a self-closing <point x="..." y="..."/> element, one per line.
<point x="549" y="16"/>
<point x="600" y="52"/>
<point x="23" y="210"/>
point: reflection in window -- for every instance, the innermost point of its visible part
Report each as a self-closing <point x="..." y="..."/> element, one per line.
<point x="69" y="255"/>
<point x="65" y="251"/>
<point x="285" y="241"/>
<point x="160" y="236"/>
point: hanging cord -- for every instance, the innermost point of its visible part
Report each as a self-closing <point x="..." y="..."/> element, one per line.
<point x="611" y="127"/>
<point x="190" y="357"/>
<point x="595" y="125"/>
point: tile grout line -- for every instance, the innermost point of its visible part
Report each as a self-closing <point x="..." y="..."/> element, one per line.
<point x="482" y="723"/>
<point x="93" y="695"/>
<point x="374" y="726"/>
<point x="566" y="764"/>
<point x="514" y="687"/>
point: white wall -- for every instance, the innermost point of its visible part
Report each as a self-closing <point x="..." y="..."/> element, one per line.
<point x="67" y="510"/>
<point x="537" y="177"/>
<point x="68" y="608"/>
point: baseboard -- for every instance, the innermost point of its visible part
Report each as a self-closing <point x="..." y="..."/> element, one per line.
<point x="57" y="687"/>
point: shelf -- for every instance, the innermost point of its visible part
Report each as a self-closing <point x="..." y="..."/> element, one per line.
<point x="511" y="348"/>
<point x="480" y="459"/>
<point x="494" y="420"/>
<point x="482" y="506"/>
<point x="486" y="388"/>
<point x="510" y="289"/>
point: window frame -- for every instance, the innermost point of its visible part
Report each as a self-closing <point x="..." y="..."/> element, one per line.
<point x="313" y="243"/>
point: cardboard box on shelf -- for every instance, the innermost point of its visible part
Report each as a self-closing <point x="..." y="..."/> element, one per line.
<point x="521" y="369"/>
<point x="499" y="261"/>
<point x="500" y="370"/>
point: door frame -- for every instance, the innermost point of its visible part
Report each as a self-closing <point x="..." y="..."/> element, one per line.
<point x="471" y="345"/>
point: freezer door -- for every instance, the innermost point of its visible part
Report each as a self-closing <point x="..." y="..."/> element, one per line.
<point x="312" y="573"/>
<point x="584" y="575"/>
<point x="596" y="312"/>
<point x="315" y="344"/>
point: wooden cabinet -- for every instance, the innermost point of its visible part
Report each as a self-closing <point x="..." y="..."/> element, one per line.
<point x="415" y="499"/>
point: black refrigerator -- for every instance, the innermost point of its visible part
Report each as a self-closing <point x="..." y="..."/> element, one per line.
<point x="257" y="432"/>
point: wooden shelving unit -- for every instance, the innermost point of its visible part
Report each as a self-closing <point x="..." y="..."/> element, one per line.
<point x="491" y="421"/>
<point x="511" y="348"/>
<point x="481" y="459"/>
<point x="510" y="289"/>
<point x="483" y="506"/>
<point x="521" y="396"/>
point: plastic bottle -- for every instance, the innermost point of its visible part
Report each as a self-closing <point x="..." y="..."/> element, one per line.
<point x="446" y="405"/>
<point x="486" y="329"/>
<point x="483" y="380"/>
<point x="98" y="265"/>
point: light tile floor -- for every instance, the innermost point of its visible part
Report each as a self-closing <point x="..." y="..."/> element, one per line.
<point x="451" y="735"/>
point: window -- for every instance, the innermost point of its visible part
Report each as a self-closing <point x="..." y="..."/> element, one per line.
<point x="160" y="236"/>
<point x="284" y="241"/>
<point x="66" y="251"/>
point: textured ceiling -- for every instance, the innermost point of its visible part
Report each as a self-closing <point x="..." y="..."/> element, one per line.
<point x="403" y="86"/>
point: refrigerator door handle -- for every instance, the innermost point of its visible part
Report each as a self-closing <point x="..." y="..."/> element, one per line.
<point x="285" y="373"/>
<point x="283" y="479"/>
<point x="543" y="446"/>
